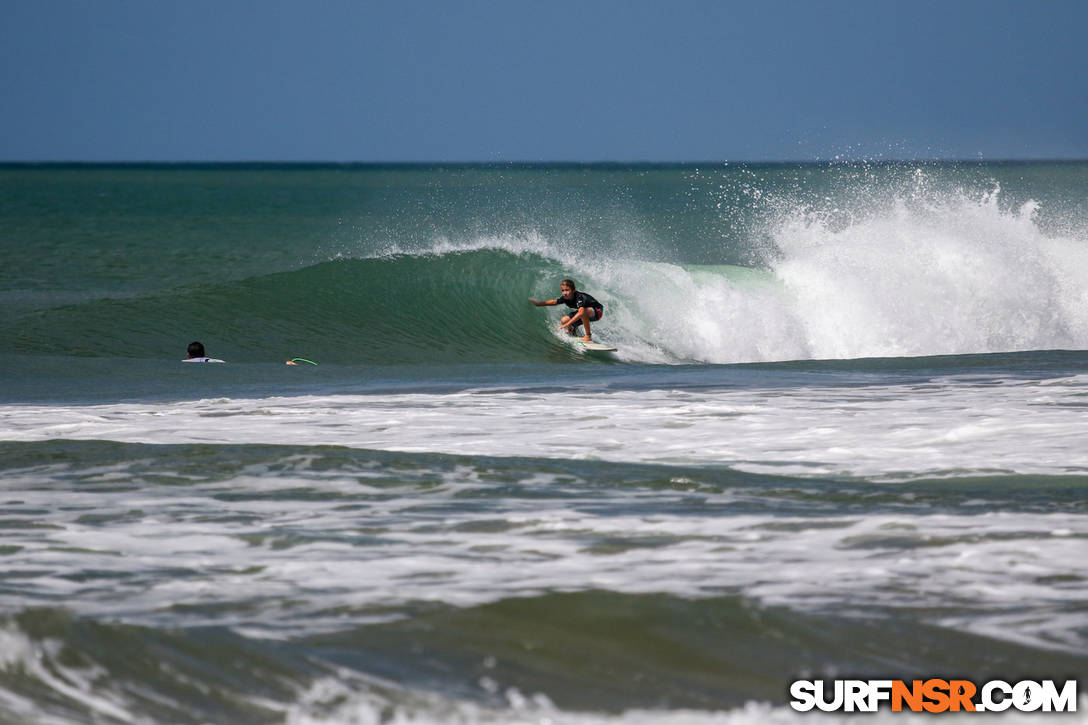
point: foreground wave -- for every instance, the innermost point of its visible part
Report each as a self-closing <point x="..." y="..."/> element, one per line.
<point x="287" y="540"/>
<point x="523" y="659"/>
<point x="307" y="583"/>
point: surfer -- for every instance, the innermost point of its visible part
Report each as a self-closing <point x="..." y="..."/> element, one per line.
<point x="588" y="308"/>
<point x="196" y="354"/>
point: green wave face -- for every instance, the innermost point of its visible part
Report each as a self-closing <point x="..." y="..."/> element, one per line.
<point x="466" y="306"/>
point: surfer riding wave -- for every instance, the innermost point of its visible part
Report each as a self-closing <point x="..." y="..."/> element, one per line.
<point x="588" y="309"/>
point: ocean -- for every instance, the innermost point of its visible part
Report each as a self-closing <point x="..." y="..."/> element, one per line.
<point x="845" y="435"/>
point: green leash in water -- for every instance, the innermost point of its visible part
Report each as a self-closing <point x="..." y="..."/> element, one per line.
<point x="297" y="360"/>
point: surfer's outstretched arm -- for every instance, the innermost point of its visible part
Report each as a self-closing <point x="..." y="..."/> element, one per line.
<point x="545" y="303"/>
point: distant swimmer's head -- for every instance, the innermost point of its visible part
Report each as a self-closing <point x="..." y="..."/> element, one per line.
<point x="196" y="349"/>
<point x="567" y="287"/>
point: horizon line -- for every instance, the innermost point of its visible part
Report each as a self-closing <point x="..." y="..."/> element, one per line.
<point x="540" y="163"/>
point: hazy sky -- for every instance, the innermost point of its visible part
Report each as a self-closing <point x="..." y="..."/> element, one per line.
<point x="550" y="80"/>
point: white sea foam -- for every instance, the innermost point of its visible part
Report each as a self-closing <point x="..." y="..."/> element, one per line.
<point x="179" y="553"/>
<point x="958" y="276"/>
<point x="940" y="427"/>
<point x="947" y="426"/>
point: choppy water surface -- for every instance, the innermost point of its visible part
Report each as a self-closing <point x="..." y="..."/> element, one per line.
<point x="844" y="433"/>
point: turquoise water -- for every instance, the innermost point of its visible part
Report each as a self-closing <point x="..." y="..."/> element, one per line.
<point x="843" y="432"/>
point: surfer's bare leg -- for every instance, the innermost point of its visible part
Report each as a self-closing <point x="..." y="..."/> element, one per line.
<point x="571" y="322"/>
<point x="566" y="324"/>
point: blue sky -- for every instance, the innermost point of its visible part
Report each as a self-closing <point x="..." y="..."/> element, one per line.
<point x="553" y="80"/>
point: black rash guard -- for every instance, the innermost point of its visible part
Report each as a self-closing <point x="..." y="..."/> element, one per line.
<point x="581" y="299"/>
